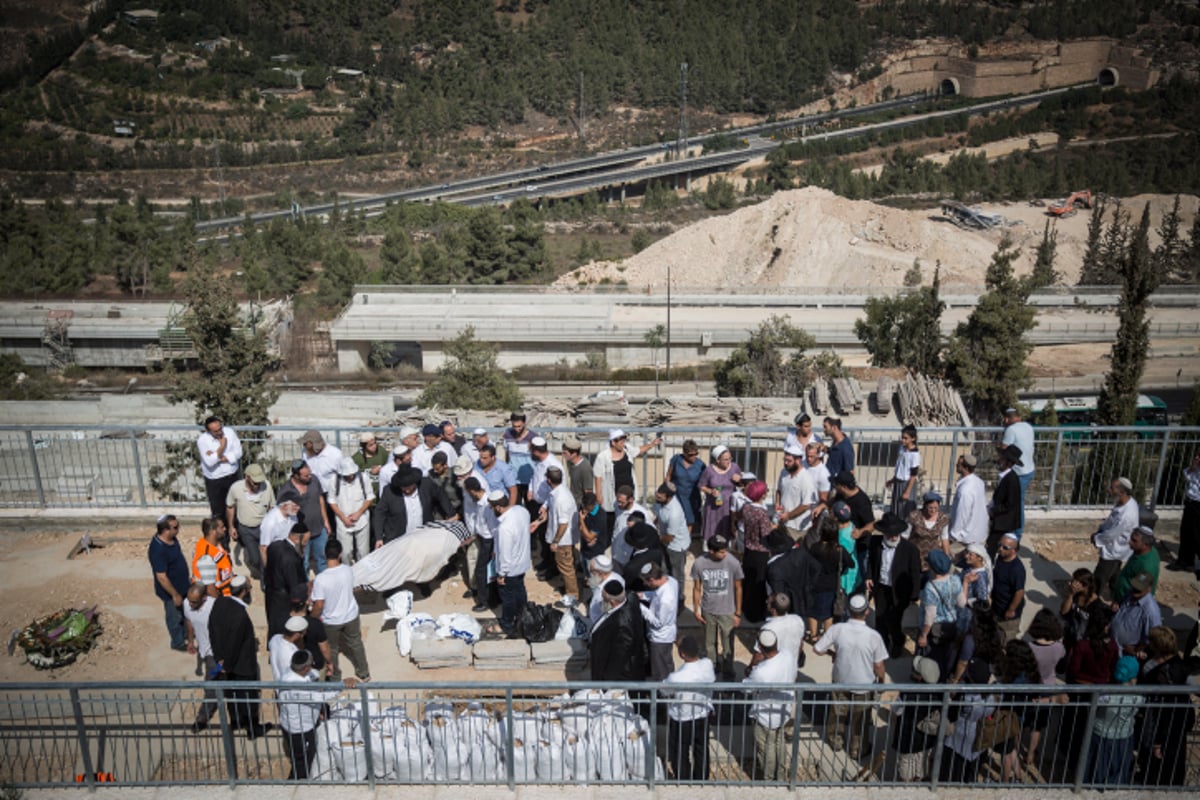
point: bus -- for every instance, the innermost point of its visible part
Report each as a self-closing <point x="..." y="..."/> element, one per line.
<point x="1077" y="412"/>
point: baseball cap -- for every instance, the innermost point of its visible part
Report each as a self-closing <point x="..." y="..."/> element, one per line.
<point x="858" y="603"/>
<point x="363" y="438"/>
<point x="845" y="479"/>
<point x="841" y="511"/>
<point x="431" y="430"/>
<point x="463" y="466"/>
<point x="256" y="473"/>
<point x="1141" y="582"/>
<point x="296" y="625"/>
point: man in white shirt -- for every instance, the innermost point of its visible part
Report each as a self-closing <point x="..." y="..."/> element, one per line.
<point x="422" y="457"/>
<point x="771" y="709"/>
<point x="470" y="449"/>
<point x="540" y="460"/>
<point x="562" y="527"/>
<point x="323" y="459"/>
<point x="969" y="522"/>
<point x="281" y="646"/>
<point x="276" y="526"/>
<point x="673" y="531"/>
<point x="247" y="502"/>
<point x="401" y="457"/>
<point x="626" y="507"/>
<point x="795" y="493"/>
<point x="543" y="459"/>
<point x="220" y="454"/>
<point x="687" y="714"/>
<point x="482" y="523"/>
<point x="802" y="435"/>
<point x="301" y="707"/>
<point x="196" y="608"/>
<point x="859" y="659"/>
<point x="335" y="605"/>
<point x="787" y="627"/>
<point x="512" y="557"/>
<point x="660" y="609"/>
<point x="1020" y="433"/>
<point x="816" y="470"/>
<point x="1112" y="538"/>
<point x="349" y="500"/>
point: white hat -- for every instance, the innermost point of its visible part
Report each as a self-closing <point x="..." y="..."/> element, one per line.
<point x="719" y="450"/>
<point x="463" y="466"/>
<point x="296" y="625"/>
<point x="497" y="496"/>
<point x="238" y="582"/>
<point x="399" y="450"/>
<point x="538" y="441"/>
<point x="602" y="563"/>
<point x="858" y="603"/>
<point x="479" y="432"/>
<point x="616" y="433"/>
<point x="409" y="430"/>
<point x="793" y="450"/>
<point x="749" y="476"/>
<point x="767" y="640"/>
<point x="347" y="468"/>
<point x="363" y="438"/>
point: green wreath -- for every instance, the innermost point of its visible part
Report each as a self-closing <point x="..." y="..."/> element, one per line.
<point x="60" y="638"/>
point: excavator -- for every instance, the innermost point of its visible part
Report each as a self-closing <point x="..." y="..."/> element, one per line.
<point x="1070" y="206"/>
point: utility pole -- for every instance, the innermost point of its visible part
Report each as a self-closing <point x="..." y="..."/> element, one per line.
<point x="681" y="141"/>
<point x="668" y="323"/>
<point x="220" y="175"/>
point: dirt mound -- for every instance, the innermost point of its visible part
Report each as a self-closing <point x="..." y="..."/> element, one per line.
<point x="813" y="238"/>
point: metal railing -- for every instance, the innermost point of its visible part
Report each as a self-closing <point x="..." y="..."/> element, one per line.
<point x="586" y="734"/>
<point x="61" y="466"/>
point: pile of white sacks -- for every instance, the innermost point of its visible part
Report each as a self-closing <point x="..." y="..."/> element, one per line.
<point x="587" y="736"/>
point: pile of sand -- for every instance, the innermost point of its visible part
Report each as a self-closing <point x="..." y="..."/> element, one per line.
<point x="813" y="238"/>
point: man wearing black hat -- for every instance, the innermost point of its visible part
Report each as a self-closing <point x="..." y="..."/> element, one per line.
<point x="235" y="649"/>
<point x="647" y="549"/>
<point x="893" y="579"/>
<point x="791" y="571"/>
<point x="1005" y="512"/>
<point x="284" y="575"/>
<point x="617" y="650"/>
<point x="407" y="503"/>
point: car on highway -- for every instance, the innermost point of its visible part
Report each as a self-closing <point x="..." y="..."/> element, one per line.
<point x="533" y="187"/>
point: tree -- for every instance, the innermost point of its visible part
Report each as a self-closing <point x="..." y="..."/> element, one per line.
<point x="985" y="358"/>
<point x="720" y="194"/>
<point x="913" y="276"/>
<point x="470" y="378"/>
<point x="1043" y="274"/>
<point x="1089" y="275"/>
<point x="906" y="330"/>
<point x="1139" y="278"/>
<point x="232" y="363"/>
<point x="1168" y="256"/>
<point x="772" y="363"/>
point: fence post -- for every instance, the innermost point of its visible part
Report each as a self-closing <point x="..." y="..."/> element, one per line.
<point x="794" y="763"/>
<point x="89" y="769"/>
<point x="37" y="472"/>
<point x="137" y="467"/>
<point x="364" y="722"/>
<point x="651" y="739"/>
<point x="746" y="452"/>
<point x="1162" y="465"/>
<point x="943" y="718"/>
<point x="510" y="771"/>
<point x="1086" y="747"/>
<point x="1054" y="471"/>
<point x="227" y="738"/>
<point x="953" y="469"/>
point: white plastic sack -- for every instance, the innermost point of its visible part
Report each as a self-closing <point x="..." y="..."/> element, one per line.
<point x="349" y="749"/>
<point x="414" y="626"/>
<point x="579" y="760"/>
<point x="578" y="719"/>
<point x="550" y="765"/>
<point x="399" y="605"/>
<point x="635" y="757"/>
<point x="524" y="761"/>
<point x="477" y="731"/>
<point x="566" y="626"/>
<point x="459" y="626"/>
<point x="382" y="748"/>
<point x="411" y="760"/>
<point x="324" y="766"/>
<point x="449" y="754"/>
<point x="525" y="726"/>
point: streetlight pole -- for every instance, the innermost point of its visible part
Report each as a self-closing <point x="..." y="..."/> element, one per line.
<point x="668" y="323"/>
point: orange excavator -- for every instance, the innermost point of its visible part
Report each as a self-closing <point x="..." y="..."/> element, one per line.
<point x="1070" y="206"/>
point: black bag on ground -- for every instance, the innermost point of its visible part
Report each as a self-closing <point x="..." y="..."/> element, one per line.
<point x="538" y="623"/>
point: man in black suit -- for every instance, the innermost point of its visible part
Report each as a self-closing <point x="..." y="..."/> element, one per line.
<point x="235" y="651"/>
<point x="1005" y="512"/>
<point x="391" y="519"/>
<point x="893" y="579"/>
<point x="791" y="571"/>
<point x="618" y="643"/>
<point x="647" y="549"/>
<point x="284" y="575"/>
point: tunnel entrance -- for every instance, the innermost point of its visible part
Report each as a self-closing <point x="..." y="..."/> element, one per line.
<point x="948" y="87"/>
<point x="1108" y="77"/>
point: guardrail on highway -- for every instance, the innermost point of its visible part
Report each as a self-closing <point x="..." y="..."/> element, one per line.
<point x="79" y="466"/>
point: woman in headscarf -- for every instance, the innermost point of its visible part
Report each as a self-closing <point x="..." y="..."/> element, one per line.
<point x="684" y="470"/>
<point x="940" y="600"/>
<point x="927" y="524"/>
<point x="716" y="484"/>
<point x="977" y="574"/>
<point x="757" y="522"/>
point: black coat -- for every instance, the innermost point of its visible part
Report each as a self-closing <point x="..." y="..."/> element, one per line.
<point x="390" y="518"/>
<point x="618" y="645"/>
<point x="232" y="636"/>
<point x="633" y="570"/>
<point x="906" y="570"/>
<point x="795" y="574"/>
<point x="283" y="573"/>
<point x="1006" y="504"/>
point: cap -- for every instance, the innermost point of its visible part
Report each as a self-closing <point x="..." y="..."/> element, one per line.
<point x="602" y="563"/>
<point x="666" y="487"/>
<point x="932" y="497"/>
<point x="794" y="450"/>
<point x="296" y="625"/>
<point x="256" y="473"/>
<point x="767" y="640"/>
<point x="312" y="437"/>
<point x="970" y="460"/>
<point x="939" y="562"/>
<point x="1141" y="582"/>
<point x="927" y="669"/>
<point x="407" y="431"/>
<point x="538" y="442"/>
<point x="572" y="443"/>
<point x="399" y="450"/>
<point x="718" y="451"/>
<point x="1010" y="411"/>
<point x="845" y="479"/>
<point x="207" y="567"/>
<point x="890" y="524"/>
<point x="613" y="588"/>
<point x="363" y="438"/>
<point x="431" y="430"/>
<point x="616" y="433"/>
<point x="347" y="468"/>
<point x="841" y="511"/>
<point x="1146" y="532"/>
<point x="718" y="543"/>
<point x="779" y="541"/>
<point x="238" y="582"/>
<point x="479" y="432"/>
<point x="463" y="466"/>
<point x="1126" y="670"/>
<point x="858" y="603"/>
<point x="1126" y="484"/>
<point x="1013" y="454"/>
<point x="747" y="477"/>
<point x="497" y="496"/>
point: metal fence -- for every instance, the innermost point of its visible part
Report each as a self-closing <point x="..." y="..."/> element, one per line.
<point x="584" y="734"/>
<point x="158" y="466"/>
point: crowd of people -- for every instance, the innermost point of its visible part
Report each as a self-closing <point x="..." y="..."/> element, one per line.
<point x="804" y="561"/>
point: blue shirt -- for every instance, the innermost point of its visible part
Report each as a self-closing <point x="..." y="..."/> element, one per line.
<point x="841" y="457"/>
<point x="502" y="476"/>
<point x="169" y="559"/>
<point x="1132" y="623"/>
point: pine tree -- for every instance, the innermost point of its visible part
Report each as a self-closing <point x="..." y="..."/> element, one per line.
<point x="1189" y="261"/>
<point x="1139" y="278"/>
<point x="471" y="378"/>
<point x="1043" y="274"/>
<point x="1115" y="247"/>
<point x="1089" y="275"/>
<point x="1169" y="253"/>
<point x="985" y="358"/>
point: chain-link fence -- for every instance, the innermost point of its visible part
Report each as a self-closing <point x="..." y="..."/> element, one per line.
<point x="632" y="734"/>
